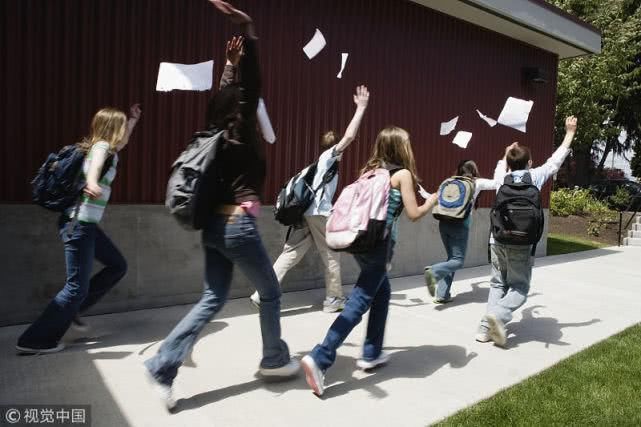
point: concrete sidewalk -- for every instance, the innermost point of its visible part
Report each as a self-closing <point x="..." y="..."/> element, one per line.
<point x="436" y="368"/>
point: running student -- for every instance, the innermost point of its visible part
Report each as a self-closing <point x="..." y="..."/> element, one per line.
<point x="454" y="235"/>
<point x="512" y="264"/>
<point x="83" y="239"/>
<point x="230" y="237"/>
<point x="392" y="151"/>
<point x="312" y="231"/>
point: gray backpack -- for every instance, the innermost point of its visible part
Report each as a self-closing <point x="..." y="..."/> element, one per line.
<point x="455" y="198"/>
<point x="195" y="181"/>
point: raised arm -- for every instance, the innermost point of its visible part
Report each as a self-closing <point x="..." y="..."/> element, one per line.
<point x="134" y="115"/>
<point x="233" y="52"/>
<point x="553" y="164"/>
<point x="403" y="180"/>
<point x="361" y="99"/>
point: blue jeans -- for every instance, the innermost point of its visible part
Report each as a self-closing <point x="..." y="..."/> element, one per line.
<point x="510" y="282"/>
<point x="454" y="237"/>
<point x="83" y="243"/>
<point x="372" y="291"/>
<point x="227" y="241"/>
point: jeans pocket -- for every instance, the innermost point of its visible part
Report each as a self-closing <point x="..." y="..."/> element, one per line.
<point x="238" y="229"/>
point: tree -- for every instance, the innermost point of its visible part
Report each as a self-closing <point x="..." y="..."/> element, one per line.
<point x="635" y="163"/>
<point x="603" y="90"/>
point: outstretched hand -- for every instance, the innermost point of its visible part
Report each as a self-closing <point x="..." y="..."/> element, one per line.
<point x="570" y="124"/>
<point x="236" y="16"/>
<point x="361" y="98"/>
<point x="234" y="50"/>
<point x="135" y="111"/>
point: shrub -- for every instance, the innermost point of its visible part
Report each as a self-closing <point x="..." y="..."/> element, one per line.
<point x="579" y="201"/>
<point x="621" y="199"/>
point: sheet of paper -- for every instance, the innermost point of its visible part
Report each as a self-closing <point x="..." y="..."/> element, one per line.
<point x="516" y="113"/>
<point x="264" y="123"/>
<point x="424" y="194"/>
<point x="343" y="62"/>
<point x="315" y="45"/>
<point x="490" y="121"/>
<point x="462" y="138"/>
<point x="448" y="127"/>
<point x="184" y="76"/>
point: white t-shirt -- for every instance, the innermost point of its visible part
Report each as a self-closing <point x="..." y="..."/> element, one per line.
<point x="322" y="204"/>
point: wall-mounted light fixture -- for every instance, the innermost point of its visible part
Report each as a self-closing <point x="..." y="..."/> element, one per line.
<point x="534" y="75"/>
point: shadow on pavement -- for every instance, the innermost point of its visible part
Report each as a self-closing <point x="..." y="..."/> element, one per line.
<point x="546" y="330"/>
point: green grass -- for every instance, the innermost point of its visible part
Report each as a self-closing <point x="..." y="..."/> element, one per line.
<point x="600" y="386"/>
<point x="564" y="244"/>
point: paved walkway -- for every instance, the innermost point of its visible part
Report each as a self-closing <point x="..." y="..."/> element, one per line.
<point x="436" y="368"/>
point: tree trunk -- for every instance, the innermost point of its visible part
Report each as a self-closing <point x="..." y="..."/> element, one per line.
<point x="608" y="147"/>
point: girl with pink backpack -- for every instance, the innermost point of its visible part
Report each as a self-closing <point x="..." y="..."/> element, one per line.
<point x="355" y="226"/>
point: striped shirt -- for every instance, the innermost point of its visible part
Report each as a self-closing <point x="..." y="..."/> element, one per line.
<point x="91" y="210"/>
<point x="394" y="209"/>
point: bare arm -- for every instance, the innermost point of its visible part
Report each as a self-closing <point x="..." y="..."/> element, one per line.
<point x="134" y="115"/>
<point x="403" y="180"/>
<point x="99" y="154"/>
<point x="361" y="98"/>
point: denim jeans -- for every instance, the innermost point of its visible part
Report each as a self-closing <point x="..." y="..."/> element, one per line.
<point x="227" y="241"/>
<point x="83" y="243"/>
<point x="454" y="237"/>
<point x="372" y="291"/>
<point x="510" y="282"/>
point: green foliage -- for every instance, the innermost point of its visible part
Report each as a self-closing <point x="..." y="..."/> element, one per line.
<point x="575" y="201"/>
<point x="603" y="90"/>
<point x="621" y="199"/>
<point x="635" y="163"/>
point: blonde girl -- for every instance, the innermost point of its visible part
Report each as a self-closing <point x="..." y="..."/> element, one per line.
<point x="392" y="151"/>
<point x="83" y="239"/>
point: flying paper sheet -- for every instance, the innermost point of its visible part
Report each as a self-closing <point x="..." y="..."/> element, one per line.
<point x="515" y="113"/>
<point x="424" y="194"/>
<point x="265" y="124"/>
<point x="462" y="138"/>
<point x="343" y="62"/>
<point x="448" y="127"/>
<point x="489" y="120"/>
<point x="184" y="76"/>
<point x="315" y="45"/>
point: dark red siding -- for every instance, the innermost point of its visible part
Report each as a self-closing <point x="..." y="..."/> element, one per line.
<point x="62" y="60"/>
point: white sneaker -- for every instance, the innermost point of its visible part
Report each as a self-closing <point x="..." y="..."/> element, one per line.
<point x="163" y="391"/>
<point x="482" y="337"/>
<point x="333" y="304"/>
<point x="314" y="376"/>
<point x="366" y="365"/>
<point x="34" y="350"/>
<point x="288" y="370"/>
<point x="496" y="330"/>
<point x="255" y="299"/>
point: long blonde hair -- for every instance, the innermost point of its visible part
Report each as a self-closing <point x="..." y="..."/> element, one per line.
<point x="393" y="147"/>
<point x="108" y="125"/>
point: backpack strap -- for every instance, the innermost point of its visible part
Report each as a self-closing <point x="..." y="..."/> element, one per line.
<point x="525" y="179"/>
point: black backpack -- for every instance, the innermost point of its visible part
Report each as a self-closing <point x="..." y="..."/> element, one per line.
<point x="59" y="183"/>
<point x="298" y="195"/>
<point x="195" y="180"/>
<point x="517" y="217"/>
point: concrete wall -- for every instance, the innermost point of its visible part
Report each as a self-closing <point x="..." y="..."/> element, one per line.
<point x="166" y="263"/>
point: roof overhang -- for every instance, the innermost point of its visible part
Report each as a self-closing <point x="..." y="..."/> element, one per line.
<point x="534" y="22"/>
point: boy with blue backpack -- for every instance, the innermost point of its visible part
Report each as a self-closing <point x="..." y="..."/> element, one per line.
<point x="517" y="225"/>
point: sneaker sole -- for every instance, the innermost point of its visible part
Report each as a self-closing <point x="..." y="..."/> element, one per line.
<point x="36" y="351"/>
<point x="170" y="404"/>
<point x="333" y="309"/>
<point x="429" y="282"/>
<point x="310" y="378"/>
<point x="280" y="374"/>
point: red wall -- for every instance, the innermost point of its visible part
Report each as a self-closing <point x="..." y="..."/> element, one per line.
<point x="62" y="60"/>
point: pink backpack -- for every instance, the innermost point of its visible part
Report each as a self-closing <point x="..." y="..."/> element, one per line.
<point x="359" y="216"/>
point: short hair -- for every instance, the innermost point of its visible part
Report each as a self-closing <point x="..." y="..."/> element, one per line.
<point x="518" y="157"/>
<point x="328" y="139"/>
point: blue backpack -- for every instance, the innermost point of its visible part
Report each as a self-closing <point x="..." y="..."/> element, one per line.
<point x="59" y="182"/>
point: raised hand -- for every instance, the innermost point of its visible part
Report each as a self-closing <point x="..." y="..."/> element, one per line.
<point x="361" y="98"/>
<point x="234" y="50"/>
<point x="570" y="124"/>
<point x="135" y="111"/>
<point x="236" y="16"/>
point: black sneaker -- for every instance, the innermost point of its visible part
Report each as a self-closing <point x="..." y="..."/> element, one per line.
<point x="80" y="325"/>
